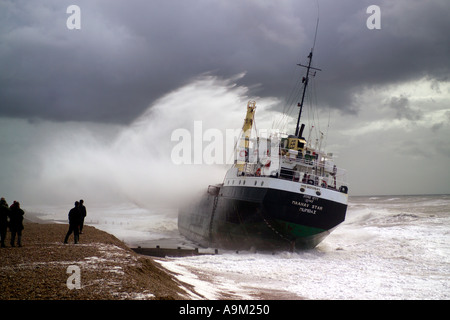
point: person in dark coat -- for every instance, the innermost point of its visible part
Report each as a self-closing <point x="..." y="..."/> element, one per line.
<point x="4" y="214"/>
<point x="83" y="215"/>
<point x="16" y="223"/>
<point x="74" y="223"/>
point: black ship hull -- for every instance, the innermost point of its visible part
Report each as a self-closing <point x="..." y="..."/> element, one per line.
<point x="241" y="217"/>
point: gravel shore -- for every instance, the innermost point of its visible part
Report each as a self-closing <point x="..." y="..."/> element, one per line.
<point x="108" y="269"/>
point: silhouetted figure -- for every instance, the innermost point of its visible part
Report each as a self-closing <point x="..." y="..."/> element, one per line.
<point x="74" y="223"/>
<point x="16" y="223"/>
<point x="4" y="214"/>
<point x="83" y="213"/>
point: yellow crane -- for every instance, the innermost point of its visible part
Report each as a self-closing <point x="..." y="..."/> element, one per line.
<point x="244" y="143"/>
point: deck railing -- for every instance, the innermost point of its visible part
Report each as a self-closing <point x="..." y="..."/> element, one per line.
<point x="309" y="170"/>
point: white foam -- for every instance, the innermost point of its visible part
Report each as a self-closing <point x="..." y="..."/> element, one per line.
<point x="377" y="254"/>
<point x="394" y="250"/>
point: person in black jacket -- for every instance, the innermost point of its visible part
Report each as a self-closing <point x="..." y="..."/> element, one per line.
<point x="4" y="214"/>
<point x="74" y="223"/>
<point x="16" y="223"/>
<point x="82" y="215"/>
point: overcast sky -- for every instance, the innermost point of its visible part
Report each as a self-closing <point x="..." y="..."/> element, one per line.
<point x="386" y="91"/>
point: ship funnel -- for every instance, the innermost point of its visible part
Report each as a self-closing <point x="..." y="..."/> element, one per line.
<point x="300" y="133"/>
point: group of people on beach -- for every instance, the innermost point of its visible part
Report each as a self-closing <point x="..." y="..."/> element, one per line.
<point x="12" y="217"/>
<point x="76" y="221"/>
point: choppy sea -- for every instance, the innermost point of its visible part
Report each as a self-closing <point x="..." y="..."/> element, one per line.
<point x="389" y="247"/>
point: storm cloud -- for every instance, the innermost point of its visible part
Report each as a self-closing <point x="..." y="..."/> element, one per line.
<point x="128" y="54"/>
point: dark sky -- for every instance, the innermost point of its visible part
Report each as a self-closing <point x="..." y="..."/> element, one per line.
<point x="388" y="90"/>
<point x="129" y="53"/>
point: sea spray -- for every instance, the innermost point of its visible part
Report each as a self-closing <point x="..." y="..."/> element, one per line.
<point x="106" y="163"/>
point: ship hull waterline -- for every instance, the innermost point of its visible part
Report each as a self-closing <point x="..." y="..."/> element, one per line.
<point x="244" y="218"/>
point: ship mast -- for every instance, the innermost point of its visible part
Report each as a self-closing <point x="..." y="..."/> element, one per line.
<point x="305" y="80"/>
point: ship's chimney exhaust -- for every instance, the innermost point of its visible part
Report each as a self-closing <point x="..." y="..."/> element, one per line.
<point x="300" y="133"/>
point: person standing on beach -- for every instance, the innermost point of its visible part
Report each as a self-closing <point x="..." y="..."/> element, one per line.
<point x="74" y="223"/>
<point x="16" y="223"/>
<point x="4" y="214"/>
<point x="83" y="213"/>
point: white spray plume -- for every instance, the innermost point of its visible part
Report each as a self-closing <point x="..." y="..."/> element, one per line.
<point x="110" y="163"/>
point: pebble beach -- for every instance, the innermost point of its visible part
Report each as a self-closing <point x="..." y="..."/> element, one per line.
<point x="107" y="269"/>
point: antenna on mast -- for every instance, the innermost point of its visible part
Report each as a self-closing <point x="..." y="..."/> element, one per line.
<point x="305" y="79"/>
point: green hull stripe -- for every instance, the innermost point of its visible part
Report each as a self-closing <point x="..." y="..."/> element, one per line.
<point x="295" y="230"/>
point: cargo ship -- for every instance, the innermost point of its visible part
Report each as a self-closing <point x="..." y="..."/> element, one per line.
<point x="283" y="192"/>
